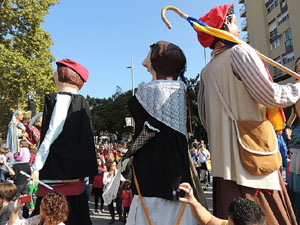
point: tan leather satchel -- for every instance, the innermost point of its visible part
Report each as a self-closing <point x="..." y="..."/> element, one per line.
<point x="258" y="146"/>
<point x="257" y="141"/>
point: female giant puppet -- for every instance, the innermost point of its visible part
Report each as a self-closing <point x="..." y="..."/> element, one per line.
<point x="66" y="154"/>
<point x="161" y="161"/>
<point x="243" y="81"/>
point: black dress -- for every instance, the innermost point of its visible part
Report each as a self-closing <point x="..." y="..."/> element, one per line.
<point x="162" y="163"/>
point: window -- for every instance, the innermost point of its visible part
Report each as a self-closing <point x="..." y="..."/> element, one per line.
<point x="276" y="43"/>
<point x="283" y="17"/>
<point x="277" y="72"/>
<point x="273" y="33"/>
<point x="272" y="6"/>
<point x="288" y="37"/>
<point x="288" y="57"/>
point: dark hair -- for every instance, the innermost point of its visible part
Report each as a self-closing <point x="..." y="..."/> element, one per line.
<point x="242" y="211"/>
<point x="229" y="17"/>
<point x="24" y="143"/>
<point x="167" y="60"/>
<point x="296" y="63"/>
<point x="55" y="207"/>
<point x="67" y="75"/>
<point x="8" y="191"/>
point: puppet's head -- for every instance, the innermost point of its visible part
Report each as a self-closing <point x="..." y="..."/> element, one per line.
<point x="166" y="60"/>
<point x="70" y="72"/>
<point x="220" y="17"/>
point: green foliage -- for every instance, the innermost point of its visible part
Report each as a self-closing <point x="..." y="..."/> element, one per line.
<point x="198" y="130"/>
<point x="108" y="115"/>
<point x="25" y="59"/>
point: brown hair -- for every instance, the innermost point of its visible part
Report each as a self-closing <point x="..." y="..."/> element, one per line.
<point x="67" y="75"/>
<point x="109" y="164"/>
<point x="167" y="60"/>
<point x="4" y="150"/>
<point x="24" y="143"/>
<point x="8" y="191"/>
<point x="54" y="208"/>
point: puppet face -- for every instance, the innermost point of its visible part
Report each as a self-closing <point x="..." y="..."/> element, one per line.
<point x="147" y="63"/>
<point x="20" y="116"/>
<point x="298" y="66"/>
<point x="232" y="26"/>
<point x="55" y="78"/>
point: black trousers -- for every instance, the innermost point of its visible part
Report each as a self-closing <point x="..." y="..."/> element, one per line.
<point x="23" y="190"/>
<point x="119" y="207"/>
<point x="98" y="194"/>
<point x="78" y="210"/>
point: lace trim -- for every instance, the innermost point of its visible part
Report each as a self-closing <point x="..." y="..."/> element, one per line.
<point x="166" y="101"/>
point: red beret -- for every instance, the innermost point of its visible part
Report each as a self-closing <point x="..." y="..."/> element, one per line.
<point x="81" y="70"/>
<point x="215" y="18"/>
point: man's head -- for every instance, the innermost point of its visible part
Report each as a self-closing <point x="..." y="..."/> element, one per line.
<point x="165" y="60"/>
<point x="19" y="115"/>
<point x="71" y="72"/>
<point x="242" y="211"/>
<point x="220" y="17"/>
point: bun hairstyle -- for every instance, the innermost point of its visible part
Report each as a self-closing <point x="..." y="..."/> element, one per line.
<point x="167" y="60"/>
<point x="67" y="75"/>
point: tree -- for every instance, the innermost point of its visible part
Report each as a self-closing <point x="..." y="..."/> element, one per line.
<point x="198" y="130"/>
<point x="108" y="115"/>
<point x="25" y="59"/>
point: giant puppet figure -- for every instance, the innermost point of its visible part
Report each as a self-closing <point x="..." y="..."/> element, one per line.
<point x="237" y="82"/>
<point x="160" y="149"/>
<point x="66" y="154"/>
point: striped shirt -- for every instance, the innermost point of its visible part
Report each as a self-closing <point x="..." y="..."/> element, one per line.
<point x="250" y="69"/>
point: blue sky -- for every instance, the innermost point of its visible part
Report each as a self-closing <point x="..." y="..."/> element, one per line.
<point x="103" y="35"/>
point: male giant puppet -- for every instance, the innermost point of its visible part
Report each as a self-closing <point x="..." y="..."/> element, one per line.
<point x="66" y="154"/>
<point x="241" y="77"/>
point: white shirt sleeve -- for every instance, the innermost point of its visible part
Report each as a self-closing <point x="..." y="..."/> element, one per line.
<point x="56" y="125"/>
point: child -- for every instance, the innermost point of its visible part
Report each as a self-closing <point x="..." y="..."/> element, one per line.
<point x="241" y="211"/>
<point x="127" y="198"/>
<point x="24" y="154"/>
<point x="7" y="192"/>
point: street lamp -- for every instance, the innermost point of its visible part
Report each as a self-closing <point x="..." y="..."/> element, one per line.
<point x="132" y="75"/>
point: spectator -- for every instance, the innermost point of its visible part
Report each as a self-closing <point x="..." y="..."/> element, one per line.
<point x="98" y="186"/>
<point x="127" y="198"/>
<point x="24" y="154"/>
<point x="282" y="149"/>
<point x="7" y="193"/>
<point x="21" y="182"/>
<point x="54" y="210"/>
<point x="242" y="211"/>
<point x="108" y="177"/>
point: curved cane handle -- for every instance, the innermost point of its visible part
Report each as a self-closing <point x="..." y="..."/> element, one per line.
<point x="173" y="8"/>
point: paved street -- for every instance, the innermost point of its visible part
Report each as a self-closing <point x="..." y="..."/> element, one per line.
<point x="105" y="217"/>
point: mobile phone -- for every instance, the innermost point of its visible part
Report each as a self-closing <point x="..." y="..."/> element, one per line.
<point x="26" y="198"/>
<point x="178" y="194"/>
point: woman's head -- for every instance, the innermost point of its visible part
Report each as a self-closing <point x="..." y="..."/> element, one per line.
<point x="54" y="208"/>
<point x="165" y="60"/>
<point x="111" y="165"/>
<point x="7" y="191"/>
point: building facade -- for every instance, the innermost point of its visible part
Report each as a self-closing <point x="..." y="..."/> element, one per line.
<point x="273" y="28"/>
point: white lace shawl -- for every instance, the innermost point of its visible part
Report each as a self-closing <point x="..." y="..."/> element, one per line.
<point x="165" y="100"/>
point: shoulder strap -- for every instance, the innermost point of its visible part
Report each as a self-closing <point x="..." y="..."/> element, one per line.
<point x="220" y="94"/>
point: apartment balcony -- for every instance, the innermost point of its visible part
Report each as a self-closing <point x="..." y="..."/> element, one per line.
<point x="244" y="25"/>
<point x="241" y="1"/>
<point x="243" y="11"/>
<point x="246" y="38"/>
